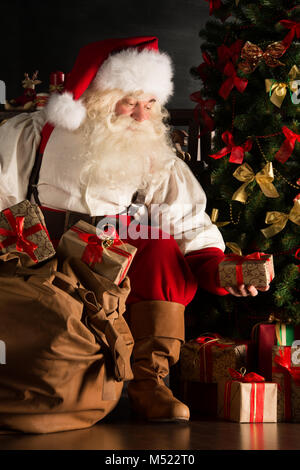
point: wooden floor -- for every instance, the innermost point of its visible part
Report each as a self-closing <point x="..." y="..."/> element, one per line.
<point x="121" y="431"/>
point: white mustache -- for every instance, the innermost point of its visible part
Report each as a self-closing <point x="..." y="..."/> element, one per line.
<point x="127" y="123"/>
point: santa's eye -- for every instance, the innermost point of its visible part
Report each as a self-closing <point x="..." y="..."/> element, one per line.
<point x="130" y="103"/>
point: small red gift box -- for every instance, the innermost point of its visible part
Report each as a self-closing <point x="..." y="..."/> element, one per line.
<point x="256" y="269"/>
<point x="23" y="229"/>
<point x="108" y="256"/>
<point x="247" y="398"/>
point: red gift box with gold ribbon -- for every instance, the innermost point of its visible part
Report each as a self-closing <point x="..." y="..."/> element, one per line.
<point x="23" y="230"/>
<point x="255" y="269"/>
<point x="247" y="398"/>
<point x="105" y="253"/>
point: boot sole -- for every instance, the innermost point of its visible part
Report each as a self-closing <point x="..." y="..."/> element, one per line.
<point x="138" y="416"/>
<point x="169" y="420"/>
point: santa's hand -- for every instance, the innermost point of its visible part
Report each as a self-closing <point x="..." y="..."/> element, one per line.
<point x="244" y="291"/>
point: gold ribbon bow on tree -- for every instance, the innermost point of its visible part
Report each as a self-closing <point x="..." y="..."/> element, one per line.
<point x="277" y="90"/>
<point x="214" y="218"/>
<point x="278" y="220"/>
<point x="253" y="54"/>
<point x="263" y="178"/>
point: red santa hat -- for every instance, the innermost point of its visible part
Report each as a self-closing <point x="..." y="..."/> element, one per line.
<point x="130" y="64"/>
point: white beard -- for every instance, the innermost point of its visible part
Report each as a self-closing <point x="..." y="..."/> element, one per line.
<point x="122" y="153"/>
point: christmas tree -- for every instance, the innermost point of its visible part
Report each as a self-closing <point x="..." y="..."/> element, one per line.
<point x="249" y="100"/>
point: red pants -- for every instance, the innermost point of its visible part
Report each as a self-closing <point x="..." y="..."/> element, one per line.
<point x="159" y="271"/>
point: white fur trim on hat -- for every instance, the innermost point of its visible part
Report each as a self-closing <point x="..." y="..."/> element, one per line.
<point x="64" y="111"/>
<point x="131" y="70"/>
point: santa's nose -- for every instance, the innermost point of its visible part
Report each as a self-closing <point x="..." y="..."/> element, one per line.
<point x="139" y="113"/>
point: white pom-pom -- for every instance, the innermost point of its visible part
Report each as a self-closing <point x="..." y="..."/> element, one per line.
<point x="64" y="111"/>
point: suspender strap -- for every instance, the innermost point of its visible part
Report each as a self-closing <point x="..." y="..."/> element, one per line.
<point x="35" y="172"/>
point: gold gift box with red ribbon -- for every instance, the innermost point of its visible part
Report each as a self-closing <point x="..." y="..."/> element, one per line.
<point x="255" y="269"/>
<point x="23" y="230"/>
<point x="286" y="373"/>
<point x="247" y="398"/>
<point x="105" y="254"/>
<point x="208" y="358"/>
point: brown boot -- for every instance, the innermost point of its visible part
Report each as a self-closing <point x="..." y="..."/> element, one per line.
<point x="158" y="330"/>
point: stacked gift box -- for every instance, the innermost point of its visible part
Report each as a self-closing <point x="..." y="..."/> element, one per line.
<point x="203" y="362"/>
<point x="214" y="381"/>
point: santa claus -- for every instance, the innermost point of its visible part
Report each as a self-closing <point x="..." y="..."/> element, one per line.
<point x="101" y="151"/>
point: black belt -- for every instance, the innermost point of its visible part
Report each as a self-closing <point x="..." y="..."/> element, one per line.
<point x="58" y="222"/>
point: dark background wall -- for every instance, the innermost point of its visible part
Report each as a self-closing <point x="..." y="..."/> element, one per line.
<point x="46" y="35"/>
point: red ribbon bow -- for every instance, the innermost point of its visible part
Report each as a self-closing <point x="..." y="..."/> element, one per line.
<point x="202" y="68"/>
<point x="18" y="235"/>
<point x="294" y="28"/>
<point x="288" y="145"/>
<point x="237" y="152"/>
<point x="93" y="251"/>
<point x="207" y="338"/>
<point x="232" y="81"/>
<point x="227" y="53"/>
<point x="251" y="377"/>
<point x="202" y="107"/>
<point x="214" y="5"/>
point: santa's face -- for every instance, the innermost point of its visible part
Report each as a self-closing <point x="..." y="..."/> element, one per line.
<point x="126" y="145"/>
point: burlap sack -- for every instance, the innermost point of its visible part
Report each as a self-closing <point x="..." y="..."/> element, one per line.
<point x="67" y="346"/>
